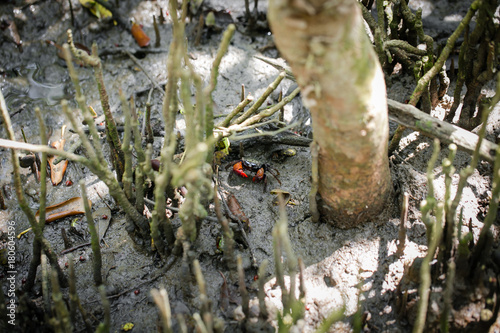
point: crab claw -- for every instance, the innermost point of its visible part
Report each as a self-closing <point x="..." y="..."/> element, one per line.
<point x="238" y="169"/>
<point x="241" y="173"/>
<point x="260" y="175"/>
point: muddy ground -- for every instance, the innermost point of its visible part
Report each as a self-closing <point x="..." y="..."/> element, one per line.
<point x="337" y="261"/>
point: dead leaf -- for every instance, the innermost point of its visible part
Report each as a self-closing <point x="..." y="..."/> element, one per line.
<point x="60" y="52"/>
<point x="57" y="170"/>
<point x="70" y="207"/>
<point x="140" y="36"/>
<point x="96" y="9"/>
<point x="224" y="294"/>
<point x="92" y="111"/>
<point x="235" y="208"/>
<point x="73" y="206"/>
<point x="12" y="33"/>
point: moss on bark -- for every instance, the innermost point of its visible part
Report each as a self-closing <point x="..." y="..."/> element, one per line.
<point x="343" y="85"/>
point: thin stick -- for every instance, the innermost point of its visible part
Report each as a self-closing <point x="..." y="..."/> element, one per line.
<point x="112" y="136"/>
<point x="493" y="207"/>
<point x="74" y="248"/>
<point x="302" y="285"/>
<point x="73" y="297"/>
<point x="243" y="289"/>
<point x="415" y="119"/>
<point x="227" y="235"/>
<point x="402" y="225"/>
<point x="425" y="271"/>
<point x="268" y="112"/>
<point x="263" y="314"/>
<point x="42" y="149"/>
<point x="20" y="195"/>
<point x="126" y="148"/>
<point x="205" y="302"/>
<point x="60" y="308"/>
<point x="160" y="298"/>
<point x="37" y="243"/>
<point x="261" y="134"/>
<point x="450" y="43"/>
<point x="104" y="327"/>
<point x="261" y="99"/>
<point x="448" y="294"/>
<point x="423" y="82"/>
<point x="313" y="206"/>
<point x="157" y="32"/>
<point x="74" y="146"/>
<point x="282" y="110"/>
<point x="3" y="206"/>
<point x="434" y="229"/>
<point x="96" y="249"/>
<point x="147" y="120"/>
<point x="237" y="110"/>
<point x="199" y="30"/>
<point x="252" y="121"/>
<point x="45" y="286"/>
<point x="141" y="161"/>
<point x="138" y="64"/>
<point x="101" y="169"/>
<point x="171" y="261"/>
<point x="292" y="262"/>
<point x="242" y="230"/>
<point x="207" y="92"/>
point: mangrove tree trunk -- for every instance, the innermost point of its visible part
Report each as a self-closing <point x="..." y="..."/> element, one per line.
<point x="343" y="85"/>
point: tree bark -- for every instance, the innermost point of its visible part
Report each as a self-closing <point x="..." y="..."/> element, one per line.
<point x="411" y="117"/>
<point x="343" y="85"/>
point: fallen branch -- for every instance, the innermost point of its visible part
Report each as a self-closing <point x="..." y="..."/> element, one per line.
<point x="42" y="149"/>
<point x="411" y="117"/>
<point x="74" y="248"/>
<point x="131" y="50"/>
